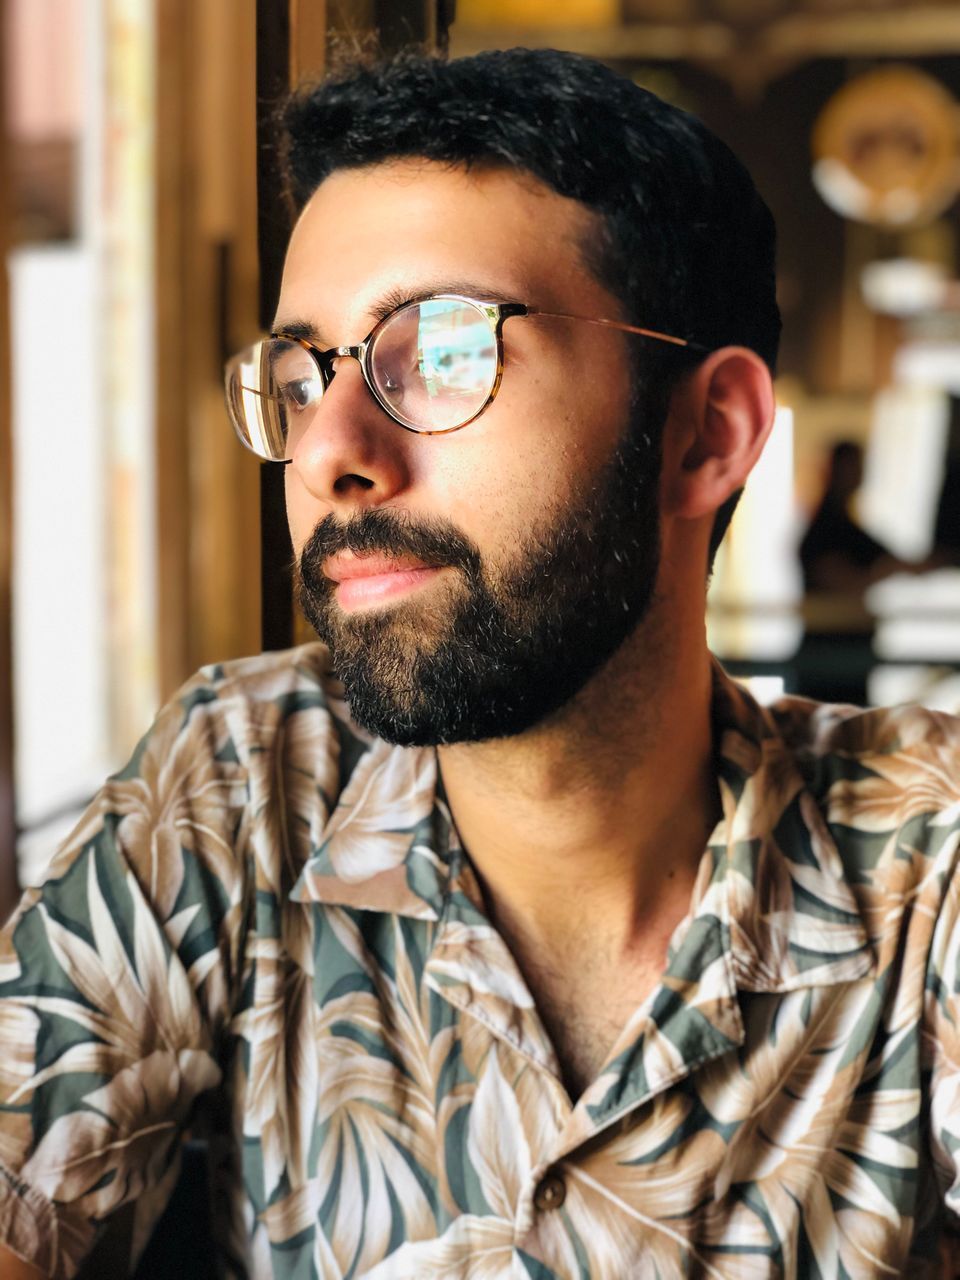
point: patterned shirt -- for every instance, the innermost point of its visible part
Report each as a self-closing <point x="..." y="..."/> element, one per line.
<point x="270" y="909"/>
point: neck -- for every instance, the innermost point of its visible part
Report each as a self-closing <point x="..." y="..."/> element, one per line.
<point x="603" y="812"/>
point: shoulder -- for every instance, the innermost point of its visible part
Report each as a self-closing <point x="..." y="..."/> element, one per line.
<point x="248" y="753"/>
<point x="266" y="678"/>
<point x="277" y="723"/>
<point x="232" y="709"/>
<point x="838" y="740"/>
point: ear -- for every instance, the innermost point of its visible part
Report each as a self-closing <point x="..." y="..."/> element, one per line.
<point x="719" y="420"/>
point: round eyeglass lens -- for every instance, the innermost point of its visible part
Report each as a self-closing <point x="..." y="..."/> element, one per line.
<point x="434" y="363"/>
<point x="271" y="389"/>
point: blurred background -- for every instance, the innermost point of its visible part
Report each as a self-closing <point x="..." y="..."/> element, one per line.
<point x="141" y="234"/>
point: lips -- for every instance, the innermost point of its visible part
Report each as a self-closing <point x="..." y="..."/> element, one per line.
<point x="367" y="580"/>
<point x="344" y="568"/>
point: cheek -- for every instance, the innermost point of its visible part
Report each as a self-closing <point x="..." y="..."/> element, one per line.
<point x="504" y="492"/>
<point x="532" y="455"/>
<point x="302" y="516"/>
<point x="573" y="410"/>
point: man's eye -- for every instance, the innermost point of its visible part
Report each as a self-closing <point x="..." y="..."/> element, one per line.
<point x="299" y="394"/>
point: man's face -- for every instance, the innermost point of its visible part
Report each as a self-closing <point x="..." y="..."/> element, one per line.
<point x="503" y="563"/>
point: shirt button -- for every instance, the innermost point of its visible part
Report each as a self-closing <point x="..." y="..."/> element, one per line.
<point x="551" y="1191"/>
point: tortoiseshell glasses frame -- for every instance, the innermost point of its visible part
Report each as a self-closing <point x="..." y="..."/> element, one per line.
<point x="444" y="374"/>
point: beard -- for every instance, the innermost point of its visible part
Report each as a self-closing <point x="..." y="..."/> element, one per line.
<point x="494" y="650"/>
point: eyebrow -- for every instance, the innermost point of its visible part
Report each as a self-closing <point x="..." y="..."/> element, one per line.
<point x="392" y="300"/>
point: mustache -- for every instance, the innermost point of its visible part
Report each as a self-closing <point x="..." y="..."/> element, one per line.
<point x="385" y="532"/>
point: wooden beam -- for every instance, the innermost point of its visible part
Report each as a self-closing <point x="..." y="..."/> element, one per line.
<point x="8" y="846"/>
<point x="643" y="41"/>
<point x="172" y="452"/>
<point x="206" y="291"/>
<point x="902" y="32"/>
<point x="309" y="28"/>
<point x="220" y="292"/>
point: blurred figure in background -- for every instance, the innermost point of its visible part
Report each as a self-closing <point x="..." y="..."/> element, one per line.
<point x="947" y="527"/>
<point x="840" y="560"/>
<point x="836" y="554"/>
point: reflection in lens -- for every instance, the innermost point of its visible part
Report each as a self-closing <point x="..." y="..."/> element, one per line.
<point x="435" y="363"/>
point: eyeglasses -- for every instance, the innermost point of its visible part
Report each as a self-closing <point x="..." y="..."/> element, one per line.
<point x="433" y="366"/>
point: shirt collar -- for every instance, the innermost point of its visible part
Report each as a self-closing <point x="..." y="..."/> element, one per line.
<point x="386" y="845"/>
<point x="771" y="877"/>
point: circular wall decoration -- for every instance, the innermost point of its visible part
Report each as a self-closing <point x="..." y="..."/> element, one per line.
<point x="886" y="148"/>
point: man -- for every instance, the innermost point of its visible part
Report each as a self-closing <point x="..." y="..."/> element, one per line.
<point x="836" y="554"/>
<point x="535" y="947"/>
<point x="840" y="561"/>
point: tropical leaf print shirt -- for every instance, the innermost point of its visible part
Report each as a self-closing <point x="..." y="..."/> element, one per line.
<point x="270" y="909"/>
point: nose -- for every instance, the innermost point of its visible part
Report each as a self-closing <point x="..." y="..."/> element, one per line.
<point x="351" y="454"/>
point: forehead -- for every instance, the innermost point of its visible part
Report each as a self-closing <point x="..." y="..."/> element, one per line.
<point x="408" y="223"/>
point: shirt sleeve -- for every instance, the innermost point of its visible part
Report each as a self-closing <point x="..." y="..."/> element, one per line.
<point x="117" y="979"/>
<point x="941" y="1038"/>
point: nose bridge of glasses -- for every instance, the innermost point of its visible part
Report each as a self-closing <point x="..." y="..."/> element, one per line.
<point x="334" y="353"/>
<point x="327" y="360"/>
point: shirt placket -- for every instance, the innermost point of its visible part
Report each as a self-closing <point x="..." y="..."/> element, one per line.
<point x="691" y="1018"/>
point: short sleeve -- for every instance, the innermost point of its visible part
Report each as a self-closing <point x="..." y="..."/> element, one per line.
<point x="117" y="980"/>
<point x="941" y="1047"/>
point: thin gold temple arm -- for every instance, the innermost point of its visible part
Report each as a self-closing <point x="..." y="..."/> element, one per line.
<point x="619" y="324"/>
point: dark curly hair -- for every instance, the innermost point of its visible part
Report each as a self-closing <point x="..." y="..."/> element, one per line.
<point x="686" y="242"/>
